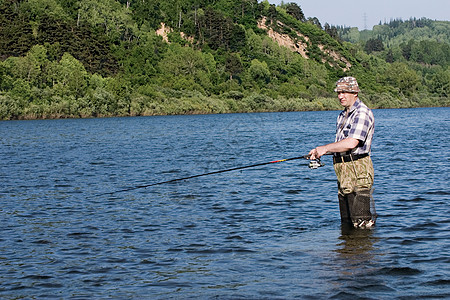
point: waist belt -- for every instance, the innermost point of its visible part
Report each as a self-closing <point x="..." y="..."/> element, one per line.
<point x="348" y="157"/>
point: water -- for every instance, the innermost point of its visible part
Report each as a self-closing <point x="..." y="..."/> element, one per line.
<point x="270" y="232"/>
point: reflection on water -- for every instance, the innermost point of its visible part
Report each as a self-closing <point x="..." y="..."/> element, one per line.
<point x="358" y="260"/>
<point x="356" y="248"/>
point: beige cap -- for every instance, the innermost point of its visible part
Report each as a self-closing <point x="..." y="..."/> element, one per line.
<point x="347" y="84"/>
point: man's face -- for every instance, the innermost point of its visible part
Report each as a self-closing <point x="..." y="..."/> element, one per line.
<point x="347" y="99"/>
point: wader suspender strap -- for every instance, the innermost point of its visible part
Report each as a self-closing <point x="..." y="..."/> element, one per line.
<point x="341" y="128"/>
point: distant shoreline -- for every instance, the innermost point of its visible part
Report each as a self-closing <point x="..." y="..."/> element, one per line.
<point x="216" y="105"/>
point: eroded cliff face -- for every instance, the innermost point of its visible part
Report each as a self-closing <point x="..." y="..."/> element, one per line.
<point x="165" y="30"/>
<point x="301" y="45"/>
<point x="336" y="57"/>
<point x="285" y="40"/>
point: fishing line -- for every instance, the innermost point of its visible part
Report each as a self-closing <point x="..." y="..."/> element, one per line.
<point x="314" y="164"/>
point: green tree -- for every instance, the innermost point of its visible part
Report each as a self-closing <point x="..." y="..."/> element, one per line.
<point x="147" y="13"/>
<point x="294" y="10"/>
<point x="253" y="44"/>
<point x="139" y="59"/>
<point x="390" y="56"/>
<point x="315" y="21"/>
<point x="331" y="30"/>
<point x="10" y="108"/>
<point x="374" y="45"/>
<point x="36" y="9"/>
<point x="407" y="81"/>
<point x="110" y="15"/>
<point x="69" y="76"/>
<point x="220" y="32"/>
<point x="430" y="52"/>
<point x="187" y="66"/>
<point x="259" y="71"/>
<point x="16" y="32"/>
<point x="91" y="48"/>
<point x="439" y="83"/>
<point x="233" y="64"/>
<point x="353" y="35"/>
<point x="31" y="67"/>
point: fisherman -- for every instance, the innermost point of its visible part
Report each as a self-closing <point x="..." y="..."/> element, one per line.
<point x="351" y="156"/>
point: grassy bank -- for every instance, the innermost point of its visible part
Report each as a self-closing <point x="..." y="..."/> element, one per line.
<point x="170" y="102"/>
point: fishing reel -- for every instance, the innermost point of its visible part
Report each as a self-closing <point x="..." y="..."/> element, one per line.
<point x="316" y="163"/>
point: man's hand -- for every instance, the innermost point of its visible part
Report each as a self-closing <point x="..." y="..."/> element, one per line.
<point x="317" y="152"/>
<point x="341" y="146"/>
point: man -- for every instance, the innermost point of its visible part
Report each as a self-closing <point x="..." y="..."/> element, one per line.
<point x="351" y="150"/>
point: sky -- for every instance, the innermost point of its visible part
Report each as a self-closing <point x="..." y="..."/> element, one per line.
<point x="364" y="14"/>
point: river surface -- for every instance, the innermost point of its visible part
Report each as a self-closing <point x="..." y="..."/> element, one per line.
<point x="269" y="232"/>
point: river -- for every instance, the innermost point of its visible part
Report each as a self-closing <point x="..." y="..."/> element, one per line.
<point x="269" y="232"/>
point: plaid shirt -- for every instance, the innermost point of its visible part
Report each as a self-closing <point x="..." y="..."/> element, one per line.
<point x="359" y="124"/>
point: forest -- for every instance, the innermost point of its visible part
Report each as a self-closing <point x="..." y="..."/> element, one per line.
<point x="104" y="58"/>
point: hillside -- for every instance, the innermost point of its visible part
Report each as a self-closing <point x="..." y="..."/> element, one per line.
<point x="69" y="58"/>
<point x="398" y="31"/>
<point x="416" y="40"/>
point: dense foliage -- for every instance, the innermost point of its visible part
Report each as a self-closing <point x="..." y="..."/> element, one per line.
<point x="71" y="58"/>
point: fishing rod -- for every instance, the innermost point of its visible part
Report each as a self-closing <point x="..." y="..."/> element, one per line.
<point x="313" y="164"/>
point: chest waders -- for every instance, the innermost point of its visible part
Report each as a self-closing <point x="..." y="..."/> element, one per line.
<point x="355" y="180"/>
